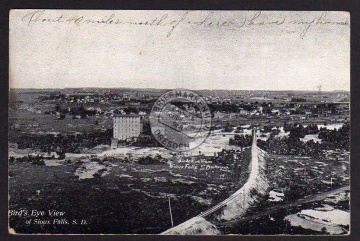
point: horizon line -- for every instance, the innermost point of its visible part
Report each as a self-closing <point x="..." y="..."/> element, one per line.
<point x="59" y="88"/>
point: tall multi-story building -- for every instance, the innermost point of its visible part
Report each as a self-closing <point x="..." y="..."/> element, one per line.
<point x="126" y="127"/>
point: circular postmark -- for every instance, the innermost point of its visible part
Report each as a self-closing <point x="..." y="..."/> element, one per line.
<point x="180" y="120"/>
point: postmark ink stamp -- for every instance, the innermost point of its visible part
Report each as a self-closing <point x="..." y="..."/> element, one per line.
<point x="180" y="120"/>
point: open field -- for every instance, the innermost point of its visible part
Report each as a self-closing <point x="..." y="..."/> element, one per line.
<point x="110" y="203"/>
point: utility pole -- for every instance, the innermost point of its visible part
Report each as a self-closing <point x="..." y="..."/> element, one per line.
<point x="172" y="223"/>
<point x="331" y="182"/>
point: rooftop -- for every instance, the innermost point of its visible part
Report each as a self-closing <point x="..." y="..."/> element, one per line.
<point x="128" y="115"/>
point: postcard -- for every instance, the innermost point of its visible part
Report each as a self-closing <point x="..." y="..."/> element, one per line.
<point x="179" y="122"/>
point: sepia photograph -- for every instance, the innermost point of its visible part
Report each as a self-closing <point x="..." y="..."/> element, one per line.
<point x="174" y="122"/>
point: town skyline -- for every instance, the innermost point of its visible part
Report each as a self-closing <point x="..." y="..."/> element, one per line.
<point x="208" y="89"/>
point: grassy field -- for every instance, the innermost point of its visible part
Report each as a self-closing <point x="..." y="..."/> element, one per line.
<point x="27" y="112"/>
<point x="132" y="198"/>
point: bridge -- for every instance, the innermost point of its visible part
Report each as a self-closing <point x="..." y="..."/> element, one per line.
<point x="235" y="206"/>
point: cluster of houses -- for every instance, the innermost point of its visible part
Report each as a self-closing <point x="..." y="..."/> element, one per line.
<point x="293" y="110"/>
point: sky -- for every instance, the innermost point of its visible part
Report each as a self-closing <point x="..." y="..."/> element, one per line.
<point x="236" y="50"/>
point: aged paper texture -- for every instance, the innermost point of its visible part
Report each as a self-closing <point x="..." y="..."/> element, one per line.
<point x="179" y="122"/>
